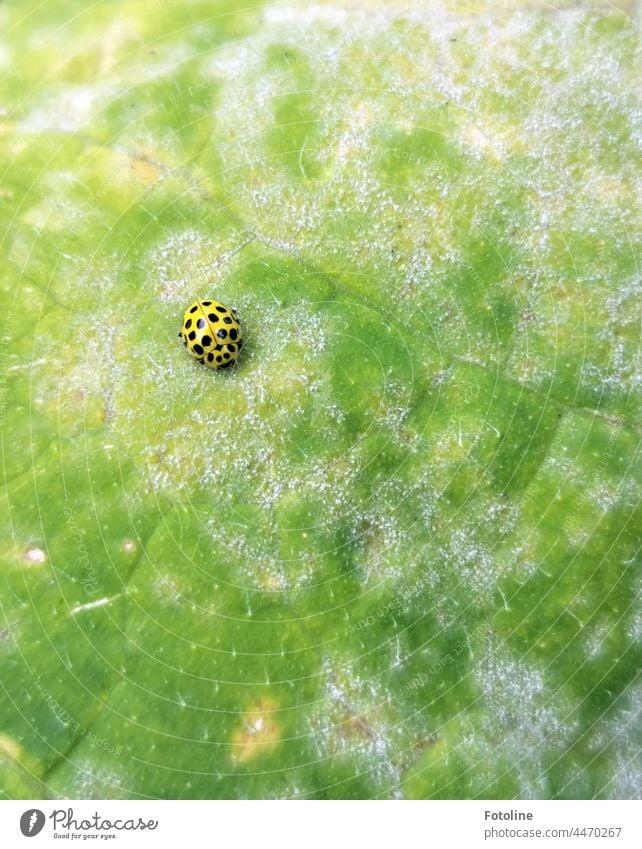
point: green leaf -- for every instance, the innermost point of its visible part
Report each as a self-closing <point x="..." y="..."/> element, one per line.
<point x="393" y="552"/>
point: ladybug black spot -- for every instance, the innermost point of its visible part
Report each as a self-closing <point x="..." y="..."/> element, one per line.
<point x="200" y="323"/>
<point x="197" y="350"/>
<point x="206" y="303"/>
<point x="192" y="336"/>
<point x="221" y="309"/>
<point x="212" y="317"/>
<point x="194" y="308"/>
<point x="227" y="319"/>
<point x="221" y="333"/>
<point x="233" y="333"/>
<point x="188" y="324"/>
<point x="206" y="341"/>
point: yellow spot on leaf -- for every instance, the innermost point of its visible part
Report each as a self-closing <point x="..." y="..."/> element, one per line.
<point x="10" y="749"/>
<point x="143" y="170"/>
<point x="259" y="733"/>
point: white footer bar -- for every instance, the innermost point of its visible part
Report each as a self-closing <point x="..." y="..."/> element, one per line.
<point x="322" y="824"/>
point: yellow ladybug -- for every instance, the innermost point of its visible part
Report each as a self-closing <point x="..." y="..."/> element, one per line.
<point x="212" y="333"/>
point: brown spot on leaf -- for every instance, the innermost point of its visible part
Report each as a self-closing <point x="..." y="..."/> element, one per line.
<point x="354" y="727"/>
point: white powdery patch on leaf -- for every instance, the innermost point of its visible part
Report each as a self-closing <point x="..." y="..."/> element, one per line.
<point x="90" y="782"/>
<point x="395" y="403"/>
<point x="190" y="264"/>
<point x="75" y="382"/>
<point x="623" y="305"/>
<point x="70" y="111"/>
<point x="606" y="496"/>
<point x="354" y="722"/>
<point x="524" y="714"/>
<point x="499" y="517"/>
<point x="618" y="736"/>
<point x="381" y="538"/>
<point x="313" y="14"/>
<point x="60" y="214"/>
<point x="621" y="373"/>
<point x="419" y="270"/>
<point x="471" y="560"/>
<point x="345" y="142"/>
<point x="239" y="421"/>
<point x="635" y="629"/>
<point x="392" y="547"/>
<point x="327" y="486"/>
